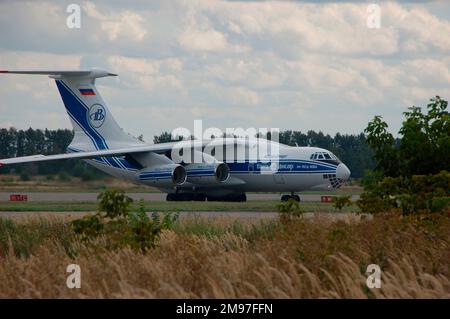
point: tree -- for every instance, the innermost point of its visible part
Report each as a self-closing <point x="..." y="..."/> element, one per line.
<point x="383" y="145"/>
<point x="423" y="146"/>
<point x="165" y="137"/>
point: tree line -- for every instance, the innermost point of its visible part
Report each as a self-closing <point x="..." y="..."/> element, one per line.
<point x="352" y="149"/>
<point x="14" y="143"/>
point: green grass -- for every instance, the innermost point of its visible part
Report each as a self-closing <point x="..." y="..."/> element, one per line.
<point x="48" y="206"/>
<point x="70" y="189"/>
<point x="250" y="206"/>
<point x="23" y="238"/>
<point x="337" y="192"/>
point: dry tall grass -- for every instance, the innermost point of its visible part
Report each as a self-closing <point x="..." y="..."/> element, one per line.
<point x="311" y="258"/>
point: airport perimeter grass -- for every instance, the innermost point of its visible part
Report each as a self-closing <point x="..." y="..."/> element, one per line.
<point x="226" y="258"/>
<point x="249" y="206"/>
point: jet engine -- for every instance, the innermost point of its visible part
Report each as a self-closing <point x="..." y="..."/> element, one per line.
<point x="208" y="171"/>
<point x="167" y="175"/>
<point x="204" y="173"/>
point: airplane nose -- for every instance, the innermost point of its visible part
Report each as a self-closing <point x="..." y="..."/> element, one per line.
<point x="342" y="172"/>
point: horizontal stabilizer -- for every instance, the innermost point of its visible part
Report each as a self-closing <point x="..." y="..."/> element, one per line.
<point x="94" y="73"/>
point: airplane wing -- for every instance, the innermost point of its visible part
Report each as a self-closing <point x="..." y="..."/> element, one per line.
<point x="158" y="148"/>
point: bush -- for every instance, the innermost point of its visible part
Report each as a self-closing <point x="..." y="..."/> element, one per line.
<point x="88" y="176"/>
<point x="410" y="195"/>
<point x="424" y="144"/>
<point x="114" y="203"/>
<point x="289" y="210"/>
<point x="88" y="227"/>
<point x="24" y="177"/>
<point x="63" y="176"/>
<point x="341" y="202"/>
<point x="120" y="226"/>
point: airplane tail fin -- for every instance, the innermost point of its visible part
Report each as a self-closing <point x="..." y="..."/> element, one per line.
<point x="94" y="126"/>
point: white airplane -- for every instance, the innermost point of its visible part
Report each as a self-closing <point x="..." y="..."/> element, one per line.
<point x="100" y="141"/>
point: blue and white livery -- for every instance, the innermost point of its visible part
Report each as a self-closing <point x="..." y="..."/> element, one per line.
<point x="100" y="141"/>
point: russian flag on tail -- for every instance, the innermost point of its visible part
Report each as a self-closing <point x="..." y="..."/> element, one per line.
<point x="87" y="92"/>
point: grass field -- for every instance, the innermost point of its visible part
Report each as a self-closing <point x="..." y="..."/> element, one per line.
<point x="223" y="258"/>
<point x="254" y="206"/>
<point x="12" y="184"/>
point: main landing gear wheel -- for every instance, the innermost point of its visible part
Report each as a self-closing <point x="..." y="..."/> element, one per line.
<point x="237" y="197"/>
<point x="285" y="198"/>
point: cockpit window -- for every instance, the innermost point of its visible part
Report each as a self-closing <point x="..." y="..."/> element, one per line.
<point x="325" y="156"/>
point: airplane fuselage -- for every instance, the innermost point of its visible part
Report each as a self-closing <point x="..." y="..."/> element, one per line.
<point x="293" y="169"/>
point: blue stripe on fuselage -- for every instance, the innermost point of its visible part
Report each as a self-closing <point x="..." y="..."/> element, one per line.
<point x="285" y="166"/>
<point x="102" y="160"/>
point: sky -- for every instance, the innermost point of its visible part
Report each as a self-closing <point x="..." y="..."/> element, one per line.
<point x="300" y="65"/>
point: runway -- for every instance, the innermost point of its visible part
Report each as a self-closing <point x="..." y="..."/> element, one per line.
<point x="85" y="197"/>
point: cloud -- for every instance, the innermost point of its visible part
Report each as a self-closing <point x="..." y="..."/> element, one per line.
<point x="126" y="24"/>
<point x="293" y="65"/>
<point x="207" y="40"/>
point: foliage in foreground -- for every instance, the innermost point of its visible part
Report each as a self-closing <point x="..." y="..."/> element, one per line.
<point x="305" y="258"/>
<point x="424" y="144"/>
<point x="339" y="202"/>
<point x="121" y="226"/>
<point x="289" y="210"/>
<point x="418" y="194"/>
<point x="411" y="172"/>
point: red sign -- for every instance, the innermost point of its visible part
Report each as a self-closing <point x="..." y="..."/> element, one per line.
<point x="326" y="199"/>
<point x="18" y="198"/>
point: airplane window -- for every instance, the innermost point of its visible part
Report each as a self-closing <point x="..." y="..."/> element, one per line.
<point x="334" y="157"/>
<point x="327" y="156"/>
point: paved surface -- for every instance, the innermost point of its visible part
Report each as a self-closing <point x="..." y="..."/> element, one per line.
<point x="61" y="197"/>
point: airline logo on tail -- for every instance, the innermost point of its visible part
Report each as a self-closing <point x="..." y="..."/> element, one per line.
<point x="97" y="114"/>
